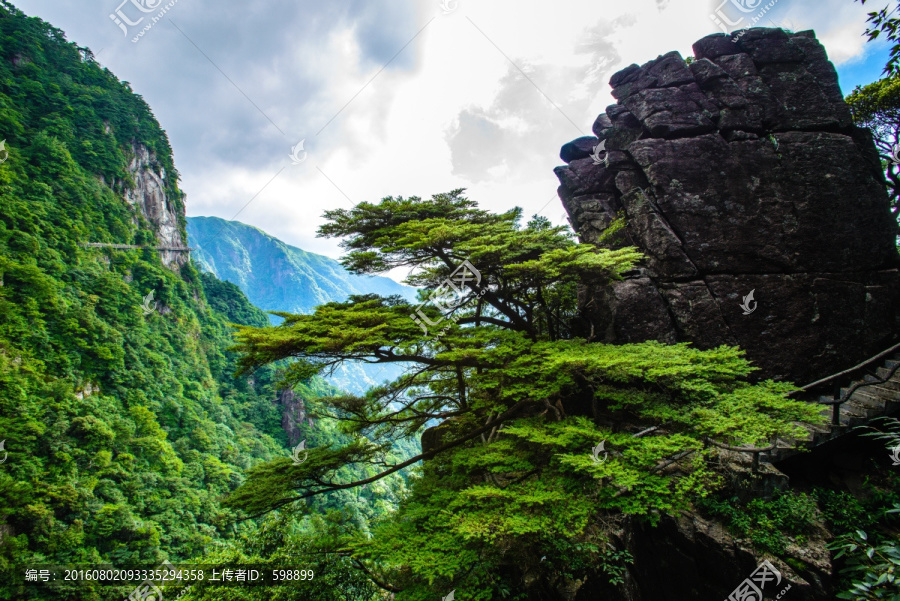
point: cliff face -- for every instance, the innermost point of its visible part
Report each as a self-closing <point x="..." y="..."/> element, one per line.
<point x="740" y="172"/>
<point x="154" y="424"/>
<point x="293" y="415"/>
<point x="149" y="196"/>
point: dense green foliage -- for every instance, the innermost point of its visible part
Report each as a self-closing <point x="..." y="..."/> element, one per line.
<point x="868" y="543"/>
<point x="124" y="428"/>
<point x="864" y="528"/>
<point x="876" y="106"/>
<point x="769" y="523"/>
<point x="524" y="395"/>
<point x="874" y="569"/>
<point x="135" y="436"/>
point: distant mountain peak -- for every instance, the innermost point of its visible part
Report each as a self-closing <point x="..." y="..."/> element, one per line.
<point x="274" y="275"/>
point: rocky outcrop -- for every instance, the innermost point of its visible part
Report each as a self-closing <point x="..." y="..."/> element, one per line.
<point x="740" y="172"/>
<point x="293" y="414"/>
<point x="86" y="390"/>
<point x="689" y="557"/>
<point x="149" y="196"/>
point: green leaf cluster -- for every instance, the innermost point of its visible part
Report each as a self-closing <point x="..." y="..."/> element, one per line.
<point x="516" y="392"/>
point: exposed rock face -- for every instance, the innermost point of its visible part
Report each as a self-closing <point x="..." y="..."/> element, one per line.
<point x="293" y="414"/>
<point x="741" y="172"/>
<point x="87" y="390"/>
<point x="149" y="195"/>
<point x="687" y="557"/>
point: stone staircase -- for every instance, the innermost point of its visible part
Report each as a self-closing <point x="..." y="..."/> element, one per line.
<point x="862" y="400"/>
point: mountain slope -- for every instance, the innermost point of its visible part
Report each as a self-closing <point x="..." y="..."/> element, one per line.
<point x="122" y="423"/>
<point x="276" y="276"/>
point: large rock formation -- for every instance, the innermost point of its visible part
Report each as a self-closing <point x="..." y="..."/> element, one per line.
<point x="293" y="415"/>
<point x="740" y="172"/>
<point x="688" y="557"/>
<point x="149" y="196"/>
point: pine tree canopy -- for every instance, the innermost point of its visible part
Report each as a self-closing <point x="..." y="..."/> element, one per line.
<point x="520" y="386"/>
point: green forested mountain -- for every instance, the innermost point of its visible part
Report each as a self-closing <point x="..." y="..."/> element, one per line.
<point x="279" y="277"/>
<point x="123" y="426"/>
<point x="276" y="276"/>
<point x="122" y="420"/>
<point x="137" y="427"/>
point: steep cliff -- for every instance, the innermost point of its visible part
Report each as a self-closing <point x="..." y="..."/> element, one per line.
<point x="739" y="173"/>
<point x="122" y="423"/>
<point x="151" y="196"/>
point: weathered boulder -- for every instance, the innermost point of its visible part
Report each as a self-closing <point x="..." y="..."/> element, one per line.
<point x="741" y="172"/>
<point x="580" y="148"/>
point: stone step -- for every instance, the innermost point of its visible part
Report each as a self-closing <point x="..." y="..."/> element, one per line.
<point x="824" y="435"/>
<point x="866" y="406"/>
<point x="886" y="394"/>
<point x="853" y="415"/>
<point x="827" y="411"/>
<point x="818" y="433"/>
<point x="891" y="384"/>
<point x="845" y="415"/>
<point x="773" y="457"/>
<point x="865" y="398"/>
<point x="811" y="431"/>
<point x="778" y="453"/>
<point x="875" y="399"/>
<point x="884" y="372"/>
<point x="859" y="404"/>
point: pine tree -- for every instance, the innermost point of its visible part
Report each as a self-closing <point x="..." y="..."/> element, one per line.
<point x="523" y="393"/>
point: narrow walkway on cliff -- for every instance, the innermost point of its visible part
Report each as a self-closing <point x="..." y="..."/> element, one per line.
<point x="876" y="394"/>
<point x="134" y="246"/>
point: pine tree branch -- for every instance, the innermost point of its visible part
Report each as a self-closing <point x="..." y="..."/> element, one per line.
<point x="332" y="487"/>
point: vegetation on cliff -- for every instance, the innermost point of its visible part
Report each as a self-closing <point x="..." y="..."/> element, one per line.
<point x="515" y="471"/>
<point x="126" y="426"/>
<point x="122" y="418"/>
<point x="876" y="107"/>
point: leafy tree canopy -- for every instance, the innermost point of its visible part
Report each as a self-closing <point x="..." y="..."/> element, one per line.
<point x="522" y="393"/>
<point x="886" y="21"/>
<point x="876" y="106"/>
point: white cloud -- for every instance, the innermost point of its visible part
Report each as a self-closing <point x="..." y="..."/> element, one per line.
<point x="451" y="111"/>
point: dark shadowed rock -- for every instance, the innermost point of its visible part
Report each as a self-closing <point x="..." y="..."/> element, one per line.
<point x="580" y="148"/>
<point x="293" y="414"/>
<point x="632" y="310"/>
<point x="582" y="176"/>
<point x="742" y="172"/>
<point x="601" y="124"/>
<point x="629" y="73"/>
<point x="669" y="112"/>
<point x="687" y="558"/>
<point x="669" y="70"/>
<point x="714" y="46"/>
<point x="767" y="46"/>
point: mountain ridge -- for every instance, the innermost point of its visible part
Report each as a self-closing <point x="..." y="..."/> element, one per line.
<point x="275" y="275"/>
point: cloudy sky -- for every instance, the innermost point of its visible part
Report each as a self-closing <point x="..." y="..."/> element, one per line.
<point x="396" y="97"/>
